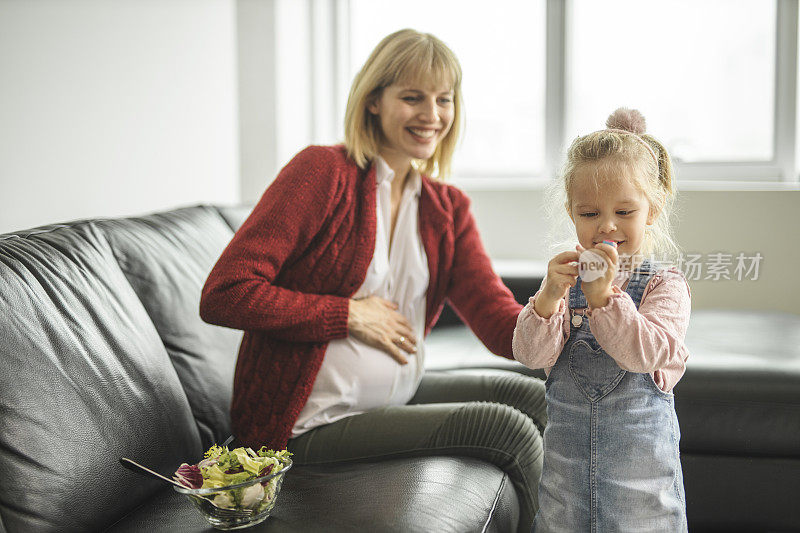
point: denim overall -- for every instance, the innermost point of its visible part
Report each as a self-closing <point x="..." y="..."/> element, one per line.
<point x="611" y="459"/>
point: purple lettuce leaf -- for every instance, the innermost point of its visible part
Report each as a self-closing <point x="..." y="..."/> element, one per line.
<point x="189" y="476"/>
<point x="265" y="471"/>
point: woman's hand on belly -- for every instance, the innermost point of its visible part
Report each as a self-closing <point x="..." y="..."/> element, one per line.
<point x="376" y="322"/>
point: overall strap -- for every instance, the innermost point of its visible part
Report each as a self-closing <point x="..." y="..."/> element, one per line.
<point x="638" y="282"/>
<point x="636" y="285"/>
<point x="576" y="298"/>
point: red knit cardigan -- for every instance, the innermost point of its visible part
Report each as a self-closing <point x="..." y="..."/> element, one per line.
<point x="288" y="273"/>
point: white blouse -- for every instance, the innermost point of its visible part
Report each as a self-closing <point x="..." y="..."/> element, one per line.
<point x="356" y="378"/>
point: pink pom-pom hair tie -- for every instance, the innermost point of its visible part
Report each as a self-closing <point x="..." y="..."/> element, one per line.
<point x="630" y="122"/>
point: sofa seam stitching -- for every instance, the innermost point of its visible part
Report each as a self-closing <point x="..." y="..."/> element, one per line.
<point x="494" y="503"/>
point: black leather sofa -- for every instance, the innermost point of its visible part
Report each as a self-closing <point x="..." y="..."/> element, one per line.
<point x="105" y="356"/>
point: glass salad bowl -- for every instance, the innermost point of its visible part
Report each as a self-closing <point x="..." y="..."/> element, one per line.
<point x="239" y="505"/>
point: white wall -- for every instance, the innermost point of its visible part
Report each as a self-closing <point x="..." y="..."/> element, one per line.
<point x="256" y="51"/>
<point x="115" y="107"/>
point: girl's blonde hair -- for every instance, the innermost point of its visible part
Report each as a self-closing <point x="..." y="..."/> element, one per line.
<point x="626" y="146"/>
<point x="404" y="56"/>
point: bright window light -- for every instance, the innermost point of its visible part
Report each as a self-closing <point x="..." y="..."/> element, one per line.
<point x="702" y="73"/>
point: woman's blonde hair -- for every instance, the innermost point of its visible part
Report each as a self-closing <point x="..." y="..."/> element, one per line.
<point x="626" y="146"/>
<point x="404" y="56"/>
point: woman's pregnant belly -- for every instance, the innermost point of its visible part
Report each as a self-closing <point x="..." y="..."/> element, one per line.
<point x="355" y="378"/>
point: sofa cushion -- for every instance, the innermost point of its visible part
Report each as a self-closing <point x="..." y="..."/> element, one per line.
<point x="736" y="494"/>
<point x="85" y="380"/>
<point x="741" y="391"/>
<point x="443" y="494"/>
<point x="166" y="257"/>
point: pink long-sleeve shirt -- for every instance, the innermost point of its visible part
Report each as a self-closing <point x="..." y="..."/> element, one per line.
<point x="650" y="339"/>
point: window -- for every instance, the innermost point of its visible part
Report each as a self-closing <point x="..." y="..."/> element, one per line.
<point x="702" y="73"/>
<point x="716" y="79"/>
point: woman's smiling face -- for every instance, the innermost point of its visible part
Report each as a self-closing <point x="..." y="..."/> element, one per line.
<point x="606" y="205"/>
<point x="414" y="118"/>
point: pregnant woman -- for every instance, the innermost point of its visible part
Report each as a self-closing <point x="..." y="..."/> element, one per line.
<point x="342" y="269"/>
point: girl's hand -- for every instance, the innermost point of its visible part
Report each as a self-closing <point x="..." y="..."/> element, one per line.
<point x="598" y="292"/>
<point x="376" y="322"/>
<point x="562" y="273"/>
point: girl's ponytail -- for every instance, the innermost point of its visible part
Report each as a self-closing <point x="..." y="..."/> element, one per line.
<point x="665" y="173"/>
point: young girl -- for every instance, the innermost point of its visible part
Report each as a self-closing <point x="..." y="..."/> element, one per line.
<point x="613" y="347"/>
